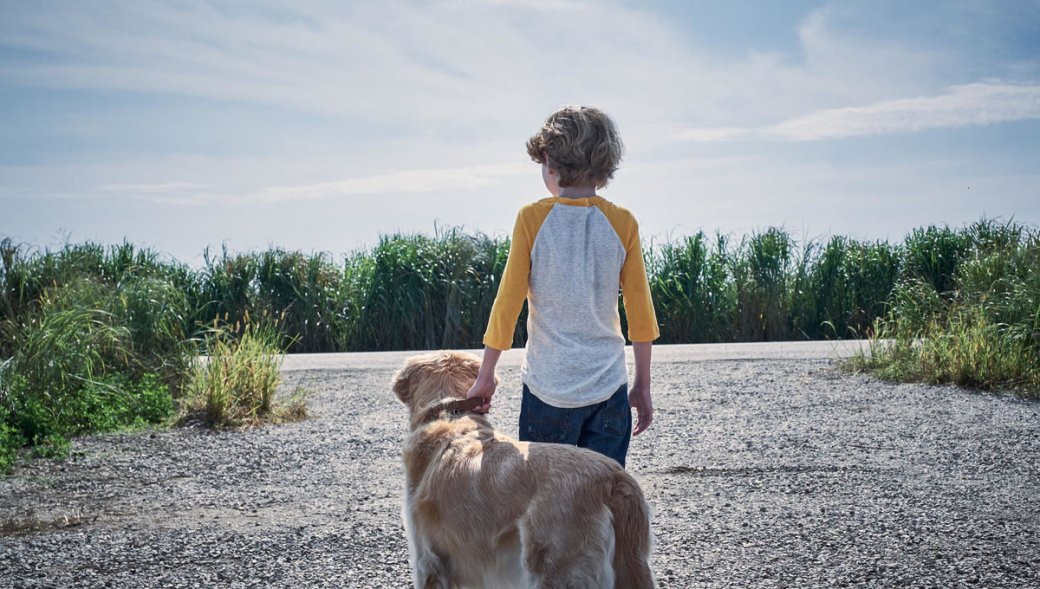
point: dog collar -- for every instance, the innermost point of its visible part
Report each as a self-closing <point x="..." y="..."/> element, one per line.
<point x="453" y="408"/>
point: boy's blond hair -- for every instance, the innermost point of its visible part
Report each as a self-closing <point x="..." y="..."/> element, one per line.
<point x="581" y="144"/>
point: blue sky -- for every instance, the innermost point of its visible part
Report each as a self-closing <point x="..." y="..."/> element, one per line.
<point x="321" y="125"/>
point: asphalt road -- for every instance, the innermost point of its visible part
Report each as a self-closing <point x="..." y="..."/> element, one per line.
<point x="666" y="354"/>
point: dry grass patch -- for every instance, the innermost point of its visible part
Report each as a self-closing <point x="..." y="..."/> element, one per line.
<point x="235" y="384"/>
<point x="31" y="522"/>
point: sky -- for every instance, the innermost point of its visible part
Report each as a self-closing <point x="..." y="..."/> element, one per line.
<point x="320" y="126"/>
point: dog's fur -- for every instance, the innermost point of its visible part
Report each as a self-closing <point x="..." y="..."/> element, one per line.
<point x="484" y="510"/>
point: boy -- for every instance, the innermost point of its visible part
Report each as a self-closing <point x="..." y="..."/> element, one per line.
<point x="568" y="256"/>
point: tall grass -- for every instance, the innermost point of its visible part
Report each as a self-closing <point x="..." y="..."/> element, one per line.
<point x="88" y="330"/>
<point x="93" y="339"/>
<point x="761" y="269"/>
<point x="415" y="291"/>
<point x="305" y="291"/>
<point x="843" y="286"/>
<point x="690" y="284"/>
<point x="422" y="292"/>
<point x="976" y="323"/>
<point x="235" y="384"/>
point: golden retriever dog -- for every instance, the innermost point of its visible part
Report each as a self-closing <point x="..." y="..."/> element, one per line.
<point x="484" y="510"/>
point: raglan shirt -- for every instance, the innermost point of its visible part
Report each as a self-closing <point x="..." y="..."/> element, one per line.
<point x="567" y="258"/>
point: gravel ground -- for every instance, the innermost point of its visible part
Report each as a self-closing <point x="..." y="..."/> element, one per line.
<point x="761" y="471"/>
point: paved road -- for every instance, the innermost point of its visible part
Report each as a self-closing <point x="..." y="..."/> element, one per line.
<point x="665" y="354"/>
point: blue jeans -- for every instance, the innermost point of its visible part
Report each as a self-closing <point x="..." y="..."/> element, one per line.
<point x="604" y="427"/>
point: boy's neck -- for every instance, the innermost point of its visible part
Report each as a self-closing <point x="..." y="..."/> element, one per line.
<point x="577" y="192"/>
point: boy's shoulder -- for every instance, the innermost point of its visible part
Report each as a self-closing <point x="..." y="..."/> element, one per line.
<point x="618" y="215"/>
<point x="622" y="220"/>
<point x="543" y="205"/>
<point x="611" y="208"/>
<point x="532" y="215"/>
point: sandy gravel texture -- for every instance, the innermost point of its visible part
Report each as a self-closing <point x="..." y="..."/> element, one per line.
<point x="765" y="467"/>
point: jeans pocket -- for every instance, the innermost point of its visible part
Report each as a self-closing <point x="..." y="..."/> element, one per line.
<point x="541" y="422"/>
<point x="548" y="429"/>
<point x="617" y="413"/>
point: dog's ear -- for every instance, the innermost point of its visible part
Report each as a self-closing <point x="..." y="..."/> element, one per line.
<point x="401" y="384"/>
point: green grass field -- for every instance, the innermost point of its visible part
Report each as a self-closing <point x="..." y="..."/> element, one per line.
<point x="98" y="337"/>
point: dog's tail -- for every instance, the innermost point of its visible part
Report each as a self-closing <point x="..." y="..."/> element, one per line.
<point x="631" y="518"/>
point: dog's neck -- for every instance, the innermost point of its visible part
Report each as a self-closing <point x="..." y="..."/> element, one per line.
<point x="450" y="408"/>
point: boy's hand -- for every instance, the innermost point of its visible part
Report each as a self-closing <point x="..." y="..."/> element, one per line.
<point x="485" y="389"/>
<point x="639" y="399"/>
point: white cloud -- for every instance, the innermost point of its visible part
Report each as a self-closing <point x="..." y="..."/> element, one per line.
<point x="164" y="188"/>
<point x="965" y="105"/>
<point x="401" y="182"/>
<point x="972" y="104"/>
<point x="419" y="64"/>
<point x="401" y="98"/>
<point x="471" y="67"/>
<point x="709" y="135"/>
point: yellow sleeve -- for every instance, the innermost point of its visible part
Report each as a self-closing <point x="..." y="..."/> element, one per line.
<point x="635" y="291"/>
<point x="512" y="290"/>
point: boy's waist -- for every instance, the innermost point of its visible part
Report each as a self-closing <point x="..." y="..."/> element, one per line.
<point x="559" y="395"/>
<point x="574" y="379"/>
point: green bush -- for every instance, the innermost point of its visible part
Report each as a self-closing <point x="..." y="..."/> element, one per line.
<point x="235" y="384"/>
<point x="115" y="402"/>
<point x="10" y="439"/>
<point x="982" y="331"/>
<point x="84" y="360"/>
<point x="111" y="403"/>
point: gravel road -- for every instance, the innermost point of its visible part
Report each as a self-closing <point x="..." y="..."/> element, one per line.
<point x="765" y="467"/>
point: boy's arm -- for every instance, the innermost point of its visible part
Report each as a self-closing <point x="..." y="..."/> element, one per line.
<point x="512" y="290"/>
<point x="485" y="385"/>
<point x="635" y="290"/>
<point x="642" y="326"/>
<point x="639" y="396"/>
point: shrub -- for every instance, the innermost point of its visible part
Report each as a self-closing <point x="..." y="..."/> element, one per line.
<point x="60" y="349"/>
<point x="235" y="384"/>
<point x="77" y="367"/>
<point x="983" y="331"/>
<point x="10" y="439"/>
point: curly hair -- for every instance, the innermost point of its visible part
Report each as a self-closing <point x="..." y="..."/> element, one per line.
<point x="581" y="144"/>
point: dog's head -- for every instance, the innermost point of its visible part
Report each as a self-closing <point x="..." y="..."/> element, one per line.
<point x="426" y="380"/>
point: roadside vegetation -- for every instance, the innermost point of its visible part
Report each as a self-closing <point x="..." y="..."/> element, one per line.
<point x="96" y="338"/>
<point x="966" y="311"/>
<point x="234" y="384"/>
